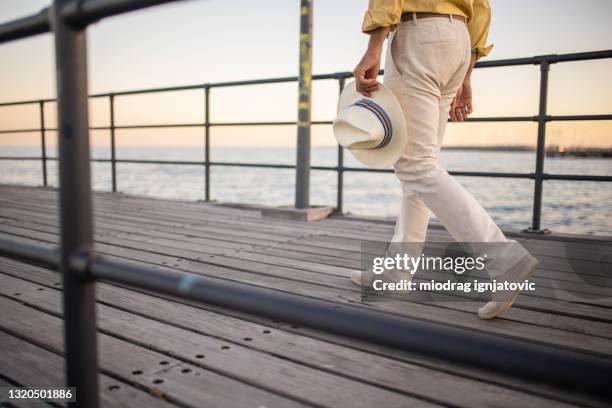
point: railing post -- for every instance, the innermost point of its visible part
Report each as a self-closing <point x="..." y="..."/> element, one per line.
<point x="302" y="179"/>
<point x="207" y="143"/>
<point x="340" y="174"/>
<point x="76" y="226"/>
<point x="43" y="143"/>
<point x="540" y="152"/>
<point x="111" y="101"/>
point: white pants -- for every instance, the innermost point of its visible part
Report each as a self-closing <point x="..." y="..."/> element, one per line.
<point x="426" y="63"/>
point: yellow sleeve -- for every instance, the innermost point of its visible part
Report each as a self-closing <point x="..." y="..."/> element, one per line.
<point x="382" y="13"/>
<point x="478" y="26"/>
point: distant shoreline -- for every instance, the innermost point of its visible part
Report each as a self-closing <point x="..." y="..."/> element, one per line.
<point x="493" y="148"/>
<point x="551" y="151"/>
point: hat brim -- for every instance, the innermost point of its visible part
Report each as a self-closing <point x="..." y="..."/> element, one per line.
<point x="385" y="156"/>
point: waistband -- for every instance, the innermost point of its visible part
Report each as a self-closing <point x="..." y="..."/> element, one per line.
<point x="409" y="16"/>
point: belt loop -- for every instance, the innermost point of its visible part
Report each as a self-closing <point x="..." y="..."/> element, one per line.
<point x="450" y="17"/>
<point x="414" y="18"/>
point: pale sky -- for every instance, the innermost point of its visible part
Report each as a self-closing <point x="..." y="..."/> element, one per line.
<point x="208" y="41"/>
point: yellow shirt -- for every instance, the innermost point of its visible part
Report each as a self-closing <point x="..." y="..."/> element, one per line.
<point x="387" y="13"/>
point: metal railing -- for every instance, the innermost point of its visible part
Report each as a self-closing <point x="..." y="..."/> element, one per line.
<point x="81" y="267"/>
<point x="538" y="176"/>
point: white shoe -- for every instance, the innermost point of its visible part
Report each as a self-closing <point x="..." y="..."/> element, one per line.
<point x="356" y="277"/>
<point x="518" y="273"/>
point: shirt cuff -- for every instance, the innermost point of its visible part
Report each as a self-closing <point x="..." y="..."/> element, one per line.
<point x="482" y="51"/>
<point x="379" y="18"/>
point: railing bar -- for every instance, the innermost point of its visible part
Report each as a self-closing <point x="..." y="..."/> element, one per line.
<point x="43" y="144"/>
<point x="482" y="64"/>
<point x="26" y="102"/>
<point x="25" y="27"/>
<point x="9" y="131"/>
<point x="77" y="13"/>
<point x="576" y="177"/>
<point x="207" y="143"/>
<point x="548" y="118"/>
<point x="340" y="163"/>
<point x="540" y="150"/>
<point x="82" y="13"/>
<point x="113" y="151"/>
<point x="190" y="87"/>
<point x="24" y="158"/>
<point x="169" y="125"/>
<point x="545" y="176"/>
<point x="552" y="118"/>
<point x="36" y="253"/>
<point x="144" y="161"/>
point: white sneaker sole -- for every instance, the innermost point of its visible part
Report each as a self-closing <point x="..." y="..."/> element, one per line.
<point x="502" y="307"/>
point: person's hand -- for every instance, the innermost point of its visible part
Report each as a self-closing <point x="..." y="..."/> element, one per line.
<point x="461" y="107"/>
<point x="366" y="72"/>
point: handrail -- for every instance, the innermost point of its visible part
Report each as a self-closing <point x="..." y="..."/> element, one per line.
<point x="542" y="118"/>
<point x="553" y="58"/>
<point x="75" y="12"/>
<point x="493" y="352"/>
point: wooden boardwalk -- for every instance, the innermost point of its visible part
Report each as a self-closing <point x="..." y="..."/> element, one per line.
<point x="162" y="352"/>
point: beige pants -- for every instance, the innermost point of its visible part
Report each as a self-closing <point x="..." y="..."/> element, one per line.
<point x="426" y="62"/>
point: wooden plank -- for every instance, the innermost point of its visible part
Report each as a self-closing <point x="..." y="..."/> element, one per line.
<point x="536" y="303"/>
<point x="235" y="358"/>
<point x="118" y="199"/>
<point x="342" y="219"/>
<point x="370" y="224"/>
<point x="141" y="366"/>
<point x="214" y="226"/>
<point x="387" y="372"/>
<point x="30" y="365"/>
<point x="545" y="260"/>
<point x="542" y="273"/>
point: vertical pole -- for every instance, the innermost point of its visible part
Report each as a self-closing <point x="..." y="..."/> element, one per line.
<point x="340" y="183"/>
<point x="302" y="180"/>
<point x="111" y="101"/>
<point x="540" y="150"/>
<point x="43" y="143"/>
<point x="207" y="143"/>
<point x="75" y="207"/>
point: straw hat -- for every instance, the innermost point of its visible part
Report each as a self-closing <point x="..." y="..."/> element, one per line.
<point x="373" y="129"/>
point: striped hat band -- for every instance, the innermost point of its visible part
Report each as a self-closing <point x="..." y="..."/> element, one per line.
<point x="382" y="116"/>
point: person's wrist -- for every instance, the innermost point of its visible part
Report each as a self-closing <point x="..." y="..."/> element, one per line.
<point x="374" y="50"/>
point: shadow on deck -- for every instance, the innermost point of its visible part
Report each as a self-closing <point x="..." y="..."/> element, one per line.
<point x="165" y="352"/>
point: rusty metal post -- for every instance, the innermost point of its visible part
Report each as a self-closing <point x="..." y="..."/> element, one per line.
<point x="302" y="180"/>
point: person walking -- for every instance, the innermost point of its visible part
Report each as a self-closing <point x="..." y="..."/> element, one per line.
<point x="431" y="51"/>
